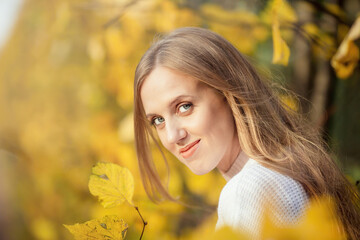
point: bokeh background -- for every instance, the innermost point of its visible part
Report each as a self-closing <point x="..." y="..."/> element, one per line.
<point x="66" y="77"/>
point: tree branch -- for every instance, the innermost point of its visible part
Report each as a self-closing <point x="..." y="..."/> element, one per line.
<point x="144" y="222"/>
<point x="320" y="7"/>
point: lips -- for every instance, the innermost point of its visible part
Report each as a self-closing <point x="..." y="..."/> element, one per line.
<point x="189" y="149"/>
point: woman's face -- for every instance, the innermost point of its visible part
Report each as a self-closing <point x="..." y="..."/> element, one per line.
<point x="193" y="121"/>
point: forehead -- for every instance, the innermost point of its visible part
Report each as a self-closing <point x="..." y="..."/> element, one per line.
<point x="163" y="85"/>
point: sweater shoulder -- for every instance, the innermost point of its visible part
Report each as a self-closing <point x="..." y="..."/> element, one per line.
<point x="257" y="179"/>
<point x="244" y="198"/>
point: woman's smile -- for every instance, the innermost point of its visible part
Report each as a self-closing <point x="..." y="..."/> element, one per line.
<point x="190" y="149"/>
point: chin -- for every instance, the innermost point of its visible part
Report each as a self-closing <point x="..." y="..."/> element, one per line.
<point x="200" y="171"/>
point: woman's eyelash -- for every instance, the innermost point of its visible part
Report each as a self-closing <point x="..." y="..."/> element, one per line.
<point x="153" y="121"/>
<point x="187" y="107"/>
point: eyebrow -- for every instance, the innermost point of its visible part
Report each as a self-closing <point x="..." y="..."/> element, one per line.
<point x="171" y="103"/>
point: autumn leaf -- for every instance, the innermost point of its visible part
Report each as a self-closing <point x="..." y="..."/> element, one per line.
<point x="281" y="8"/>
<point x="227" y="232"/>
<point x="290" y="101"/>
<point x="126" y="128"/>
<point x="95" y="49"/>
<point x="321" y="222"/>
<point x="245" y="30"/>
<point x="345" y="60"/>
<point x="107" y="228"/>
<point x="281" y="50"/>
<point x="318" y="222"/>
<point x="112" y="184"/>
<point x="335" y="9"/>
<point x="325" y="46"/>
<point x="347" y="56"/>
<point x="207" y="231"/>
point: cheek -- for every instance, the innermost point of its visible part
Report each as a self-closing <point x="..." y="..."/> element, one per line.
<point x="162" y="138"/>
<point x="211" y="119"/>
<point x="228" y="122"/>
<point x="164" y="142"/>
<point x="220" y="124"/>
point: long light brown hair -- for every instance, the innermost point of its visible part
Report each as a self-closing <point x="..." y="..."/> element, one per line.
<point x="268" y="131"/>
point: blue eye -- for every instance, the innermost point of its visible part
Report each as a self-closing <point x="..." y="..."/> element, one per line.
<point x="157" y="121"/>
<point x="185" y="107"/>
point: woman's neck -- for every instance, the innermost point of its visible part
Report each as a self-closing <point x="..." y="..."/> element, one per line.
<point x="236" y="167"/>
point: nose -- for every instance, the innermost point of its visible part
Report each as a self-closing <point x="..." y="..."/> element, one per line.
<point x="175" y="132"/>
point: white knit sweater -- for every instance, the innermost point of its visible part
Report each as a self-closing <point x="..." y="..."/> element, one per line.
<point x="243" y="199"/>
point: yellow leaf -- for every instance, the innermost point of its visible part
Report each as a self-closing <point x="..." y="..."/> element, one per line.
<point x="345" y="59"/>
<point x="271" y="231"/>
<point x="167" y="15"/>
<point x="347" y="56"/>
<point x="43" y="229"/>
<point x="281" y="50"/>
<point x="283" y="10"/>
<point x="228" y="233"/>
<point x="354" y="32"/>
<point x="207" y="231"/>
<point x="95" y="49"/>
<point x="242" y="28"/>
<point x="311" y="29"/>
<point x="112" y="184"/>
<point x="114" y="43"/>
<point x="325" y="47"/>
<point x="335" y="9"/>
<point x="279" y="10"/>
<point x="126" y="128"/>
<point x="290" y="102"/>
<point x="107" y="228"/>
<point x="318" y="222"/>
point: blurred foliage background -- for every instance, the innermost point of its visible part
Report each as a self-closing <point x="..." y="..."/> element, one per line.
<point x="66" y="77"/>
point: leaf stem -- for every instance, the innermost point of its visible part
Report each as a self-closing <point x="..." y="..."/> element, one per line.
<point x="144" y="222"/>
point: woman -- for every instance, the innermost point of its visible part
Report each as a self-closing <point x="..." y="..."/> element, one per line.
<point x="211" y="109"/>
